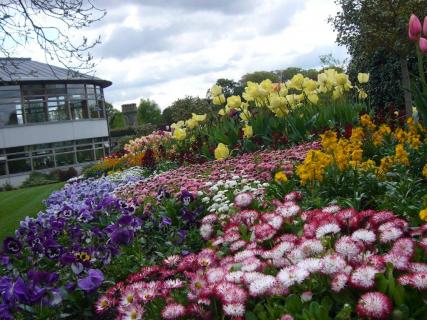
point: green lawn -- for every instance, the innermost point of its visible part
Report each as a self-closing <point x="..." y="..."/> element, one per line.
<point x="15" y="205"/>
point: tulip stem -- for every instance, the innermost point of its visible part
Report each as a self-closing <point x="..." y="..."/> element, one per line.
<point x="421" y="69"/>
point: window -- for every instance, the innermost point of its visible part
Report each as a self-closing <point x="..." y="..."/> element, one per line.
<point x="93" y="109"/>
<point x="64" y="159"/>
<point x="17" y="166"/>
<point x="57" y="109"/>
<point x="85" y="156"/>
<point x="43" y="162"/>
<point x="76" y="91"/>
<point x="10" y="103"/>
<point x="90" y="90"/>
<point x="56" y="89"/>
<point x="2" y="167"/>
<point x="33" y="89"/>
<point x="34" y="110"/>
<point x="10" y="114"/>
<point x="99" y="153"/>
<point x="79" y="109"/>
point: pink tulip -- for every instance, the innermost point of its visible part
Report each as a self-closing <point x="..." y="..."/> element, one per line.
<point x="423" y="45"/>
<point x="425" y="26"/>
<point x="414" y="29"/>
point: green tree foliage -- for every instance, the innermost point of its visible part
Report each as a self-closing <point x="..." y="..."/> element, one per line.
<point x="230" y="87"/>
<point x="371" y="27"/>
<point x="259" y="76"/>
<point x="110" y="110"/>
<point x="148" y="112"/>
<point x="117" y="121"/>
<point x="182" y="109"/>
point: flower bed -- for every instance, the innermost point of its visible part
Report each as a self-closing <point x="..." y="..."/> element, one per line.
<point x="297" y="261"/>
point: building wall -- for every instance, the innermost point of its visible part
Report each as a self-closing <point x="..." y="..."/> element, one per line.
<point x="130" y="113"/>
<point x="52" y="132"/>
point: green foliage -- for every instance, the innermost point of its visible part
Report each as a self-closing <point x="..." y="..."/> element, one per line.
<point x="230" y="87"/>
<point x="133" y="131"/>
<point x="369" y="25"/>
<point x="38" y="178"/>
<point x="288" y="73"/>
<point x="259" y="76"/>
<point x="384" y="87"/>
<point x="118" y="121"/>
<point x="182" y="109"/>
<point x="148" y="112"/>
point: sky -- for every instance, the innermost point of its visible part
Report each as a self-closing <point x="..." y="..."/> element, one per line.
<point x="166" y="49"/>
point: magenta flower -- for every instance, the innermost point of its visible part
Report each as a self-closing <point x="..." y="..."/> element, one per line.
<point x="423" y="45"/>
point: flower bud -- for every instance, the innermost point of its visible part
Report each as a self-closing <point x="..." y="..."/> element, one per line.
<point x="414" y="29"/>
<point x="423" y="45"/>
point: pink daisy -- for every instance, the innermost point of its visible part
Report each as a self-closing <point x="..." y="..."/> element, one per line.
<point x="375" y="305"/>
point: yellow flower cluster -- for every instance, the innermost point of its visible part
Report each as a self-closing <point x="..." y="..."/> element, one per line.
<point x="179" y="129"/>
<point x="423" y="214"/>
<point x="221" y="152"/>
<point x="412" y="135"/>
<point x="379" y="135"/>
<point x="280" y="176"/>
<point x="217" y="95"/>
<point x="280" y="98"/>
<point x="348" y="153"/>
<point x="314" y="165"/>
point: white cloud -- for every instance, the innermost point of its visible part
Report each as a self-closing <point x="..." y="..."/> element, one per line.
<point x="167" y="49"/>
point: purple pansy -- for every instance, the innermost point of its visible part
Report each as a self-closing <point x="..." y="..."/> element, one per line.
<point x="92" y="281"/>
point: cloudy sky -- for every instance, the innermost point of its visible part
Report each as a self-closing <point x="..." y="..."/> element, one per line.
<point x="167" y="49"/>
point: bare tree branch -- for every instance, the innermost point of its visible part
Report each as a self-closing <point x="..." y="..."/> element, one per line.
<point x="51" y="25"/>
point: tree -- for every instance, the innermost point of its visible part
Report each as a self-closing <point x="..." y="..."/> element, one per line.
<point x="366" y="26"/>
<point x="110" y="110"/>
<point x="182" y="109"/>
<point x="118" y="121"/>
<point x="259" y="76"/>
<point x="230" y="87"/>
<point x="148" y="112"/>
<point x="50" y="25"/>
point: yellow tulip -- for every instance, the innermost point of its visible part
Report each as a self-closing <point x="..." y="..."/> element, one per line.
<point x="362" y="94"/>
<point x="309" y="85"/>
<point x="363" y="77"/>
<point x="313" y="98"/>
<point x="245" y="115"/>
<point x="423" y="215"/>
<point x="198" y="117"/>
<point x="216" y="90"/>
<point x="218" y="100"/>
<point x="297" y="81"/>
<point x="342" y="79"/>
<point x="178" y="124"/>
<point x="247" y="131"/>
<point x="191" y="123"/>
<point x="221" y="152"/>
<point x="221" y="112"/>
<point x="234" y="102"/>
<point x="277" y="102"/>
<point x="337" y="93"/>
<point x="179" y="134"/>
<point x="267" y="85"/>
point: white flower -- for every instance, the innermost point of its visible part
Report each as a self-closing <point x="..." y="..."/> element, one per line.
<point x="366" y="236"/>
<point x="326" y="229"/>
<point x="261" y="285"/>
<point x="206" y="231"/>
<point x="234" y="309"/>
